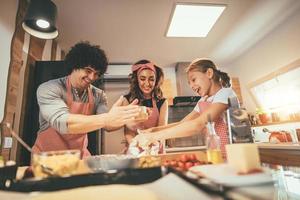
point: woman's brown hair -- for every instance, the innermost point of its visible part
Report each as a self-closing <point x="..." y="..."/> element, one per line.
<point x="135" y="91"/>
<point x="202" y="65"/>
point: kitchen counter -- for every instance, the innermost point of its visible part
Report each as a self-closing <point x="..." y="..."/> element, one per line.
<point x="171" y="186"/>
<point x="283" y="154"/>
<point x="287" y="146"/>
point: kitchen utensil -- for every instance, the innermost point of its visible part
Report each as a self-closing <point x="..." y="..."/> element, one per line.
<point x="224" y="174"/>
<point x="111" y="162"/>
<point x="55" y="163"/>
<point x="12" y="132"/>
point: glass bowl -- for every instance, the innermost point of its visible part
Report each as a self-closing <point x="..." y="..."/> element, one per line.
<point x="55" y="163"/>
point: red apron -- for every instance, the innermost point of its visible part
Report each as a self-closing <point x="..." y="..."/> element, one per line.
<point x="152" y="118"/>
<point x="51" y="140"/>
<point x="152" y="121"/>
<point x="220" y="127"/>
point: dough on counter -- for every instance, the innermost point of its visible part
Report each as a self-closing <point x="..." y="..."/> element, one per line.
<point x="107" y="192"/>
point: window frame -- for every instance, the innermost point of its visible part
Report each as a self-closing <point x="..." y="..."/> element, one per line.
<point x="293" y="65"/>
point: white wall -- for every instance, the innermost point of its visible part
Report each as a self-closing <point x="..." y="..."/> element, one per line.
<point x="47" y="50"/>
<point x="170" y="74"/>
<point x="8" y="10"/>
<point x="276" y="50"/>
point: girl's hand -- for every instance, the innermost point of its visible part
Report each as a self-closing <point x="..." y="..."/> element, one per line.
<point x="143" y="140"/>
<point x="146" y="131"/>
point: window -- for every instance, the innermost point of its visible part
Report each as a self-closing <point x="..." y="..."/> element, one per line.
<point x="280" y="90"/>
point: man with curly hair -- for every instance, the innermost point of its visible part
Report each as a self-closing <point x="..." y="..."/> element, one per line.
<point x="71" y="106"/>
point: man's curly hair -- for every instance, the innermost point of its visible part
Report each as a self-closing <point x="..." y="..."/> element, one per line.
<point x="84" y="54"/>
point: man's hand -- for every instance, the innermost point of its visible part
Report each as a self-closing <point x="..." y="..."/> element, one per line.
<point x="120" y="115"/>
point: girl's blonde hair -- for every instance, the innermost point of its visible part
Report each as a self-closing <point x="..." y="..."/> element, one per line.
<point x="202" y="65"/>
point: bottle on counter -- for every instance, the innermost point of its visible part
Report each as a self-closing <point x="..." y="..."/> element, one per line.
<point x="213" y="144"/>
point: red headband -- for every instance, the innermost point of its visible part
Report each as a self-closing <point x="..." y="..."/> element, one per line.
<point x="140" y="67"/>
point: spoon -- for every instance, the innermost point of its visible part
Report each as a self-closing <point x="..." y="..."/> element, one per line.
<point x="12" y="132"/>
<point x="48" y="170"/>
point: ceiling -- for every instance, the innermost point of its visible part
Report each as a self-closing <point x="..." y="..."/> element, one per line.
<point x="129" y="30"/>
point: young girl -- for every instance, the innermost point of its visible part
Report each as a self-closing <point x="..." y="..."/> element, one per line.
<point x="213" y="86"/>
<point x="145" y="81"/>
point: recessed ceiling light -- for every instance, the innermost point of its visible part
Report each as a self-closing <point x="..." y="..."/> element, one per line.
<point x="194" y="20"/>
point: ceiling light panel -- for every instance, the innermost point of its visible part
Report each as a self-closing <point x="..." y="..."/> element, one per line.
<point x="194" y="20"/>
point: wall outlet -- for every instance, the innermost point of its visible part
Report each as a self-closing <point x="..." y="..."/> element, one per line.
<point x="7" y="143"/>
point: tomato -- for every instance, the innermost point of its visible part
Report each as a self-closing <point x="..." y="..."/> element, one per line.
<point x="192" y="157"/>
<point x="181" y="164"/>
<point x="173" y="163"/>
<point x="188" y="165"/>
<point x="183" y="158"/>
<point x="166" y="163"/>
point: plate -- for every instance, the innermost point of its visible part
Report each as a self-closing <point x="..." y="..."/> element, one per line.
<point x="225" y="175"/>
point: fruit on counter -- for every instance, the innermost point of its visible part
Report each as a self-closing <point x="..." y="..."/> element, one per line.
<point x="184" y="162"/>
<point x="244" y="158"/>
<point x="193" y="157"/>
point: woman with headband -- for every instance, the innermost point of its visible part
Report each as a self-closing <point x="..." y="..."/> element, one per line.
<point x="145" y="81"/>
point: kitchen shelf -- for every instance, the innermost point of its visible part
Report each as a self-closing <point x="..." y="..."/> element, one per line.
<point x="276" y="123"/>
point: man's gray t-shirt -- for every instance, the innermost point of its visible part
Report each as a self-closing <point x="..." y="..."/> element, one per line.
<point x="51" y="97"/>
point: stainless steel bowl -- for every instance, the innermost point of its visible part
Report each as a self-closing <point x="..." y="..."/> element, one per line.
<point x="111" y="162"/>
